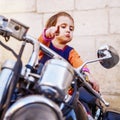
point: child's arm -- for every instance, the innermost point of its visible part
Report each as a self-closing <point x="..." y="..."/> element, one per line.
<point x="76" y="61"/>
<point x="47" y="36"/>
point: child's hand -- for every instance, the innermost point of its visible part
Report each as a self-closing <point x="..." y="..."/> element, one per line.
<point x="95" y="85"/>
<point x="52" y="32"/>
<point x="93" y="82"/>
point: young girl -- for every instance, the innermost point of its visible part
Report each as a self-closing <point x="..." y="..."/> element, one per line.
<point x="57" y="33"/>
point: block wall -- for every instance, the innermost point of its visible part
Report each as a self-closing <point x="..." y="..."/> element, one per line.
<point x="97" y="22"/>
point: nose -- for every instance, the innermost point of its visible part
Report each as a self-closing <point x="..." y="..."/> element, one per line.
<point x="68" y="29"/>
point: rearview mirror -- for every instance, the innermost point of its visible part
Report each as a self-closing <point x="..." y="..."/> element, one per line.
<point x="110" y="55"/>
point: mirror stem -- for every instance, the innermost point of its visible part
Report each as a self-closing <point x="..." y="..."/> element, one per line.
<point x="91" y="61"/>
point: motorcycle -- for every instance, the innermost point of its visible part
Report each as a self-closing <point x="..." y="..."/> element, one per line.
<point x="33" y="92"/>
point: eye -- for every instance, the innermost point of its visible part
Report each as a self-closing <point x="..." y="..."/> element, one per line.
<point x="63" y="26"/>
<point x="71" y="28"/>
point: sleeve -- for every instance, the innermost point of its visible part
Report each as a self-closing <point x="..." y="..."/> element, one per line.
<point x="76" y="61"/>
<point x="43" y="39"/>
<point x="46" y="41"/>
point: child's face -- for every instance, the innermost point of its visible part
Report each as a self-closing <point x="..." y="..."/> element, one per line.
<point x="66" y="28"/>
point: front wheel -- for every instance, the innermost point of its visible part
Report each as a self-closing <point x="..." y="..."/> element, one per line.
<point x="80" y="111"/>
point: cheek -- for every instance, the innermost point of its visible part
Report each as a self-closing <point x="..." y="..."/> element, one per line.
<point x="71" y="34"/>
<point x="61" y="32"/>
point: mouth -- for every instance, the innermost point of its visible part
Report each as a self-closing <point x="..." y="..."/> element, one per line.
<point x="67" y="35"/>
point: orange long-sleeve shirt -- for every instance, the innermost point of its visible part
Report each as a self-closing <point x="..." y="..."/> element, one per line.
<point x="73" y="57"/>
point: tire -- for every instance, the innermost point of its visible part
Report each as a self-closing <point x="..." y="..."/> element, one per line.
<point x="80" y="111"/>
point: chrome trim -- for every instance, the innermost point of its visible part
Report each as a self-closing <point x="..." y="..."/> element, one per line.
<point x="58" y="74"/>
<point x="8" y="64"/>
<point x="5" y="78"/>
<point x="32" y="99"/>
